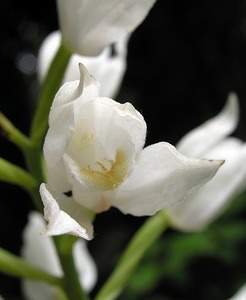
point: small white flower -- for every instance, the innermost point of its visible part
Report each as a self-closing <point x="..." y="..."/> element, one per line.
<point x="88" y="26"/>
<point x="211" y="140"/>
<point x="240" y="295"/>
<point x="95" y="159"/>
<point x="40" y="251"/>
<point x="107" y="68"/>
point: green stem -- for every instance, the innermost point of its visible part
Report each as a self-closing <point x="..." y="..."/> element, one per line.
<point x="71" y="283"/>
<point x="34" y="162"/>
<point x="13" y="134"/>
<point x="139" y="245"/>
<point x="49" y="88"/>
<point x="51" y="84"/>
<point x="35" y="196"/>
<point x="15" y="175"/>
<point x="15" y="266"/>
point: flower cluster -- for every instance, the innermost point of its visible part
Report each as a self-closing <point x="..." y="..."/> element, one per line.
<point x="86" y="153"/>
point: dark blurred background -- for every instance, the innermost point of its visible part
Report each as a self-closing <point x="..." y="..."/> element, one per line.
<point x="182" y="63"/>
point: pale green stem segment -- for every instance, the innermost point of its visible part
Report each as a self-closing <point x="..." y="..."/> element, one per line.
<point x="31" y="152"/>
<point x="51" y="84"/>
<point x="13" y="134"/>
<point x="15" y="175"/>
<point x="15" y="266"/>
<point x="137" y="248"/>
<point x="71" y="283"/>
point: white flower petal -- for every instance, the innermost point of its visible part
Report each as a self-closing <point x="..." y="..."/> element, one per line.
<point x="85" y="265"/>
<point x="63" y="114"/>
<point x="202" y="207"/>
<point x="110" y="124"/>
<point x="58" y="136"/>
<point x="111" y="76"/>
<point x="240" y="295"/>
<point x="40" y="251"/>
<point x="74" y="93"/>
<point x="88" y="26"/>
<point x="46" y="53"/>
<point x="83" y="192"/>
<point x="162" y="177"/>
<point x="100" y="158"/>
<point x="198" y="141"/>
<point x="226" y="149"/>
<point x="108" y="70"/>
<point x="35" y="290"/>
<point x="58" y="178"/>
<point x="59" y="222"/>
<point x="79" y="213"/>
<point x="37" y="249"/>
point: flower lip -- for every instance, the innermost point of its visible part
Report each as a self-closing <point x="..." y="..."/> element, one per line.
<point x="107" y="174"/>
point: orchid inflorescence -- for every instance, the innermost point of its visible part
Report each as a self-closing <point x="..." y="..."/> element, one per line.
<point x="86" y="154"/>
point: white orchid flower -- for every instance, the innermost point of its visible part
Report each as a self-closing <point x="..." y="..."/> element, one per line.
<point x="95" y="159"/>
<point x="211" y="140"/>
<point x="88" y="26"/>
<point x="107" y="68"/>
<point x="40" y="251"/>
<point x="240" y="295"/>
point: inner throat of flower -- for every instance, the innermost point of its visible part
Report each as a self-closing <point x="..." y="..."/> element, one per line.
<point x="107" y="174"/>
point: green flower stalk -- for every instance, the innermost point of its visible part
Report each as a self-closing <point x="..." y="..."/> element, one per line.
<point x="15" y="175"/>
<point x="15" y="266"/>
<point x="13" y="134"/>
<point x="137" y="248"/>
<point x="49" y="88"/>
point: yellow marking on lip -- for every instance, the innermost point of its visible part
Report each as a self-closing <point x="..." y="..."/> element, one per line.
<point x="111" y="173"/>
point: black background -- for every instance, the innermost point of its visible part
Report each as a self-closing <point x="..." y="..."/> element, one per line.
<point x="182" y="63"/>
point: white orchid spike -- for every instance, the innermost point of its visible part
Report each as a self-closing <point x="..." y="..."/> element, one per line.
<point x="95" y="159"/>
<point x="107" y="68"/>
<point x="40" y="251"/>
<point x="211" y="140"/>
<point x="88" y="26"/>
